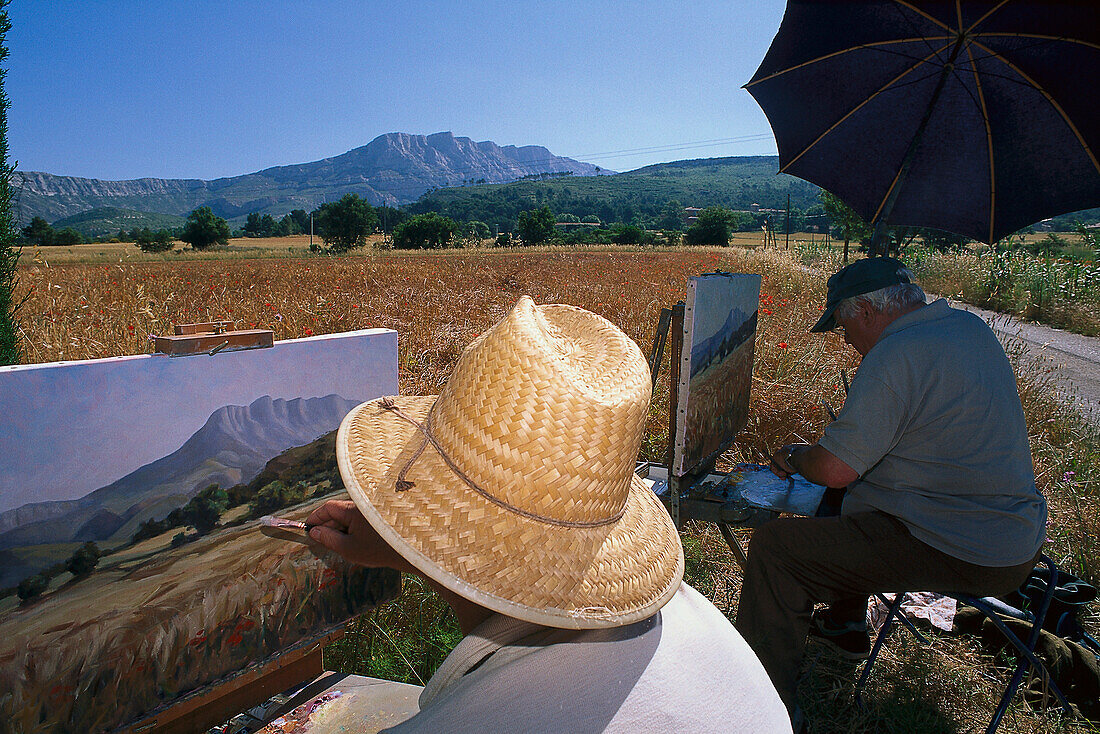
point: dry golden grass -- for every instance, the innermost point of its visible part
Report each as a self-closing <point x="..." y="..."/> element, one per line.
<point x="439" y="301"/>
<point x="128" y="252"/>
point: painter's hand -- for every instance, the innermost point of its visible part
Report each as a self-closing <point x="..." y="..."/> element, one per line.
<point x="340" y="527"/>
<point x="781" y="460"/>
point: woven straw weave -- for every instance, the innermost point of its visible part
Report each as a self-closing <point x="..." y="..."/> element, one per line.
<point x="545" y="412"/>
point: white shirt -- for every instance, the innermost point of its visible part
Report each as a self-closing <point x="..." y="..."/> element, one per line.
<point x="686" y="669"/>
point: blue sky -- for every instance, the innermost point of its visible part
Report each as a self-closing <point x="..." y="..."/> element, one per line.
<point x="118" y="89"/>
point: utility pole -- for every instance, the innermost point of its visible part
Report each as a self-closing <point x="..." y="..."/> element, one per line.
<point x="787" y="238"/>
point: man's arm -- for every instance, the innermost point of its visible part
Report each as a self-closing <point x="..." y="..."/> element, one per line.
<point x="814" y="463"/>
<point x="339" y="526"/>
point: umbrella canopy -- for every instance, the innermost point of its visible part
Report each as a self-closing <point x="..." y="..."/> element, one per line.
<point x="976" y="117"/>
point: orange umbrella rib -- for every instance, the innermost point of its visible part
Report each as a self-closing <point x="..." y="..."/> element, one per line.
<point x="1039" y="36"/>
<point x="1053" y="103"/>
<point x="861" y="47"/>
<point x="989" y="144"/>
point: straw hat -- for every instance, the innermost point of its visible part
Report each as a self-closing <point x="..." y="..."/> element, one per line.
<point x="515" y="487"/>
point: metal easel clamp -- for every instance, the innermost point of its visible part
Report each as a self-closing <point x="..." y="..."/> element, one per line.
<point x="211" y="338"/>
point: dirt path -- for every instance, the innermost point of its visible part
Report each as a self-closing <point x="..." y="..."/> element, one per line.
<point x="1076" y="358"/>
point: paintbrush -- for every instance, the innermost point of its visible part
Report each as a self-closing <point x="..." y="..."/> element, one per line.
<point x="281" y="522"/>
<point x="280" y="527"/>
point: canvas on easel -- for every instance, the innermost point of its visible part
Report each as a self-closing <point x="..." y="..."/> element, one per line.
<point x="715" y="375"/>
<point x="130" y="495"/>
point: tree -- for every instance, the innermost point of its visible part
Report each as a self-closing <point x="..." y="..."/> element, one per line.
<point x="475" y="231"/>
<point x="149" y="529"/>
<point x="275" y="496"/>
<point x="535" y="226"/>
<point x="83" y="560"/>
<point x="205" y="509"/>
<point x="288" y="226"/>
<point x="252" y="225"/>
<point x="32" y="586"/>
<point x="67" y="236"/>
<point x="260" y="226"/>
<point x="300" y="217"/>
<point x="672" y="217"/>
<point x="150" y="241"/>
<point x="267" y="226"/>
<point x="38" y="232"/>
<point x="389" y="218"/>
<point x="9" y="253"/>
<point x="843" y="217"/>
<point x="713" y="227"/>
<point x="345" y="224"/>
<point x="628" y="234"/>
<point x="425" y="231"/>
<point x="204" y="228"/>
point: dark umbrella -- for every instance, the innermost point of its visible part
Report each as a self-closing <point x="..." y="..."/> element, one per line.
<point x="976" y="117"/>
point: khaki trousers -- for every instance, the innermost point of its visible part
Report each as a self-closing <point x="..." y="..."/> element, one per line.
<point x="795" y="562"/>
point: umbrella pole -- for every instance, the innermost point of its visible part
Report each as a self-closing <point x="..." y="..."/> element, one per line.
<point x="883" y="217"/>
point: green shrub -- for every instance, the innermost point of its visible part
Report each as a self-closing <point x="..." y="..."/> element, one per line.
<point x="425" y="231"/>
<point x="275" y="496"/>
<point x="32" y="586"/>
<point x="83" y="560"/>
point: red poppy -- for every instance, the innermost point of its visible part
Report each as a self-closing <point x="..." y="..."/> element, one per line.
<point x="783" y="345"/>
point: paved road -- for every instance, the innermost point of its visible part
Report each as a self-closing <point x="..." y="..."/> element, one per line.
<point x="1076" y="358"/>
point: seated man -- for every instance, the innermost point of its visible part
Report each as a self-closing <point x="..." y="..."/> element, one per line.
<point x="933" y="449"/>
<point x="513" y="495"/>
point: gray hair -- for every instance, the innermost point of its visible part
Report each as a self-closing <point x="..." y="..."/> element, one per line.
<point x="891" y="299"/>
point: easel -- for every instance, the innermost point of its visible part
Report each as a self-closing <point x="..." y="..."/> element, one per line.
<point x="769" y="233"/>
<point x="685" y="497"/>
<point x="211" y="337"/>
<point x="220" y="701"/>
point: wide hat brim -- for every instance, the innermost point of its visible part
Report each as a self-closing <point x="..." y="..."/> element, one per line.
<point x="570" y="577"/>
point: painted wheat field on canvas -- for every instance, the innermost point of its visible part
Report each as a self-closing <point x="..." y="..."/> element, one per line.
<point x="130" y="495"/>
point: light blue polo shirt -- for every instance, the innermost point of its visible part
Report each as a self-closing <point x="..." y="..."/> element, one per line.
<point x="934" y="427"/>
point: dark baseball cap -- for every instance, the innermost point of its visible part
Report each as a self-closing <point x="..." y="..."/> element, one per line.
<point x="862" y="276"/>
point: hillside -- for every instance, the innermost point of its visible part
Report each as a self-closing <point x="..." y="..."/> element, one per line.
<point x="393" y="169"/>
<point x="736" y="183"/>
<point x="232" y="447"/>
<point x="108" y="220"/>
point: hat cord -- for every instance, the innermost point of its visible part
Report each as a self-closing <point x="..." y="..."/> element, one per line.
<point x="403" y="484"/>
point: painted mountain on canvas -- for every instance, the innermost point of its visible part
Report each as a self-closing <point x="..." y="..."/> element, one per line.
<point x="232" y="447"/>
<point x="738" y="327"/>
<point x="393" y="169"/>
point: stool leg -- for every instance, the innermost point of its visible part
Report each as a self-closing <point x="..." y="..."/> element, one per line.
<point x="891" y="614"/>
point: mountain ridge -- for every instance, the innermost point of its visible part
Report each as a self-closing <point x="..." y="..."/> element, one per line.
<point x="393" y="169"/>
<point x="232" y="446"/>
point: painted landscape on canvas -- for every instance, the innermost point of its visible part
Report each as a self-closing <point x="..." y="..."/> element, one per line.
<point x="719" y="378"/>
<point x="160" y="582"/>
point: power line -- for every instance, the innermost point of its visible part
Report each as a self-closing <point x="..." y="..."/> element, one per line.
<point x="671" y="147"/>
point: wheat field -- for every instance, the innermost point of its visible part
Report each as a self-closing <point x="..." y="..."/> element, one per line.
<point x="439" y="301"/>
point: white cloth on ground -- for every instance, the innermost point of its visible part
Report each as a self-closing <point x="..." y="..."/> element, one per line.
<point x="936" y="609"/>
<point x="684" y="669"/>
